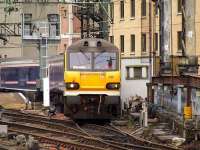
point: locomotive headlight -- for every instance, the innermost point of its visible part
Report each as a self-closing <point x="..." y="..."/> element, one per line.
<point x="113" y="86"/>
<point x="72" y="85"/>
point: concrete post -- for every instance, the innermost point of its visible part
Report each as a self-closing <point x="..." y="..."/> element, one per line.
<point x="144" y="116"/>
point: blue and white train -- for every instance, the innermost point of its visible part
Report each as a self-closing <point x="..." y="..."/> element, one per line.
<point x="23" y="76"/>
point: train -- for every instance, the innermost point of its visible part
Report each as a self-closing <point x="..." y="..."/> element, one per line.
<point x="84" y="80"/>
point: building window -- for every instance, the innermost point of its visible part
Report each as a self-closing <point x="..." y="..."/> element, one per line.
<point x="27" y="18"/>
<point x="143" y="42"/>
<point x="122" y="43"/>
<point x="112" y="39"/>
<point x="54" y="27"/>
<point x="132" y="8"/>
<point x="155" y="41"/>
<point x="179" y="41"/>
<point x="179" y="6"/>
<point x="143" y="7"/>
<point x="122" y="9"/>
<point x="133" y="43"/>
<point x="136" y="72"/>
<point x="112" y="11"/>
<point x="27" y="24"/>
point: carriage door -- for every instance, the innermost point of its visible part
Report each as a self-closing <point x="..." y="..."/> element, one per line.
<point x="23" y="77"/>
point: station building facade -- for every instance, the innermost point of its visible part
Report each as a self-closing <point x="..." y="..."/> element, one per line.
<point x="130" y="31"/>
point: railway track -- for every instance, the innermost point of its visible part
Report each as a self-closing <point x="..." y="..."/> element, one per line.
<point x="27" y="126"/>
<point x="67" y="134"/>
<point x="62" y="125"/>
<point x="18" y="114"/>
<point x="113" y="135"/>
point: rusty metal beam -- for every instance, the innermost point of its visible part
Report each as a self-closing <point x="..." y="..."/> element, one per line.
<point x="187" y="81"/>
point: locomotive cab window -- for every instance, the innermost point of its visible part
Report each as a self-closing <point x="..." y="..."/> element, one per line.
<point x="80" y="61"/>
<point x="105" y="61"/>
<point x="92" y="61"/>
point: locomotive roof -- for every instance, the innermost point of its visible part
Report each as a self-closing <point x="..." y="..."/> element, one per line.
<point x="90" y="44"/>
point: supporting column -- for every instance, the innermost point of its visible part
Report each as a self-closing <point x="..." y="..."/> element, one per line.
<point x="179" y="92"/>
<point x="155" y="94"/>
<point x="189" y="8"/>
<point x="161" y="93"/>
<point x="188" y="101"/>
<point x="165" y="35"/>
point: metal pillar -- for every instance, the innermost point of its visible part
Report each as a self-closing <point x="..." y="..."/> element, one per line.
<point x="165" y="35"/>
<point x="70" y="22"/>
<point x="44" y="75"/>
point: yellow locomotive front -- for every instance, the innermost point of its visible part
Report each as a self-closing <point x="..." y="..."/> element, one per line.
<point x="92" y="80"/>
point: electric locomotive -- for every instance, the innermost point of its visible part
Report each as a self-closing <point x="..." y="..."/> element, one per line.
<point x="92" y="80"/>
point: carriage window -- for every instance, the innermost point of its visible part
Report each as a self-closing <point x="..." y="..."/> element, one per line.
<point x="105" y="61"/>
<point x="33" y="73"/>
<point x="11" y="74"/>
<point x="80" y="61"/>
